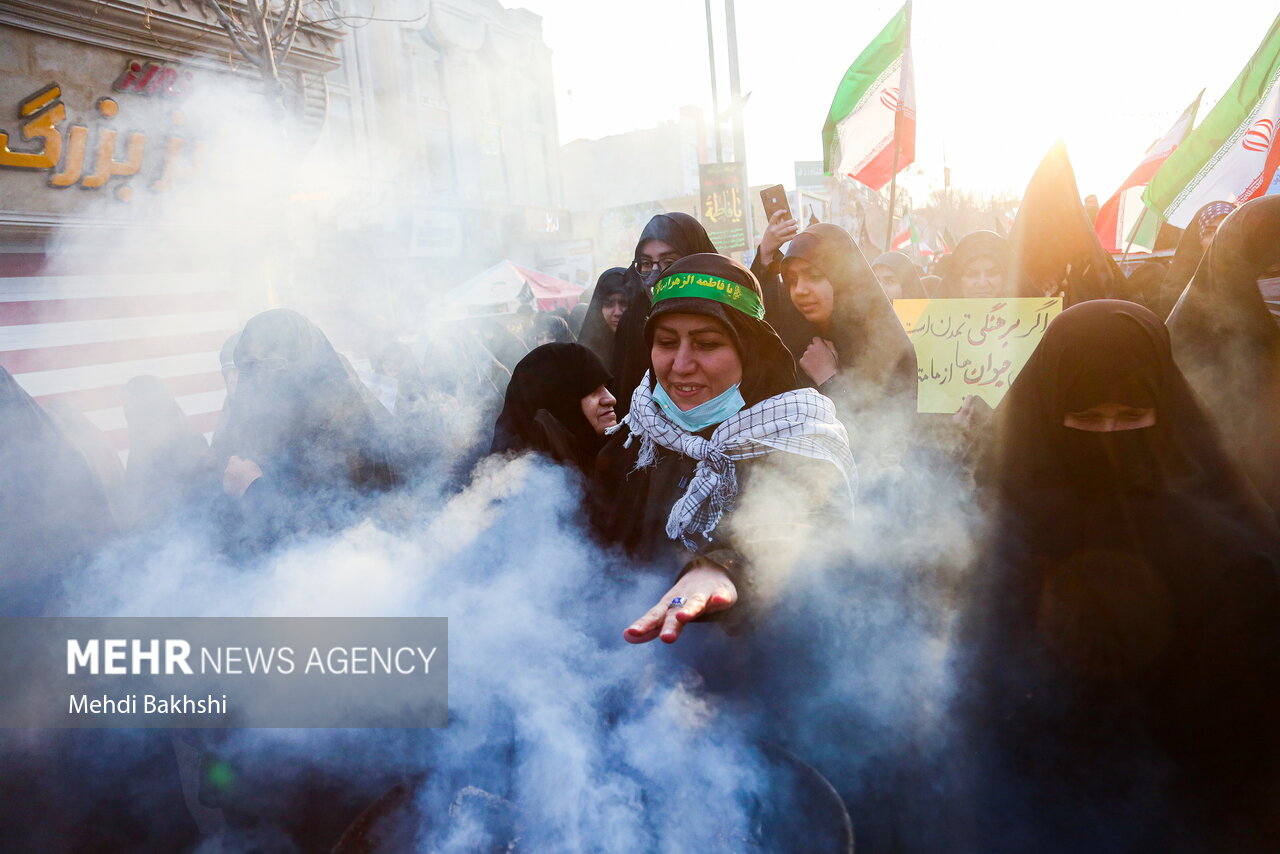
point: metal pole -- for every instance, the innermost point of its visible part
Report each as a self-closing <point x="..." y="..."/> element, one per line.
<point x="893" y="193"/>
<point x="1133" y="233"/>
<point x="715" y="89"/>
<point x="897" y="136"/>
<point x="735" y="92"/>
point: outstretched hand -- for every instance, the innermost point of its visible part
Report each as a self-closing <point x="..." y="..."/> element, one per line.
<point x="705" y="589"/>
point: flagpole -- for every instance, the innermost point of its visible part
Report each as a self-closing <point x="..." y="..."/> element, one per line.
<point x="893" y="192"/>
<point x="715" y="92"/>
<point x="1133" y="233"/>
<point x="897" y="136"/>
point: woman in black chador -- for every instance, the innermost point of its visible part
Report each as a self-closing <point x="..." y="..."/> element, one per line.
<point x="859" y="354"/>
<point x="600" y="323"/>
<point x="557" y="405"/>
<point x="1227" y="340"/>
<point x="1120" y="654"/>
<point x="667" y="238"/>
<point x="302" y="429"/>
<point x="54" y="512"/>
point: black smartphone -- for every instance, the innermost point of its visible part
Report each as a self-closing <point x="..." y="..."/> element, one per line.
<point x="774" y="199"/>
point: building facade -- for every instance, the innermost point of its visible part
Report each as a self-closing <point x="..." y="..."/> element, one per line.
<point x="108" y="270"/>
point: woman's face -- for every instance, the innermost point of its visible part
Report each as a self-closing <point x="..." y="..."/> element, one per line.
<point x="888" y="281"/>
<point x="982" y="278"/>
<point x="1110" y="418"/>
<point x="654" y="258"/>
<point x="694" y="358"/>
<point x="811" y="291"/>
<point x="613" y="309"/>
<point x="598" y="407"/>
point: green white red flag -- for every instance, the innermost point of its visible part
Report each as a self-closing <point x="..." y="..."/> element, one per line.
<point x="1121" y="222"/>
<point x="909" y="236"/>
<point x="871" y="125"/>
<point x="1232" y="156"/>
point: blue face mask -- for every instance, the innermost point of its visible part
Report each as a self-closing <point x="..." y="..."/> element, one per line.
<point x="718" y="409"/>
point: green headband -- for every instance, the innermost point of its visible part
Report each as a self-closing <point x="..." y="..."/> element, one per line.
<point x="706" y="286"/>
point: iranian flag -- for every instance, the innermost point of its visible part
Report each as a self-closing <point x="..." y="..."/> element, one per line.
<point x="1232" y="156"/>
<point x="909" y="235"/>
<point x="1121" y="222"/>
<point x="872" y="121"/>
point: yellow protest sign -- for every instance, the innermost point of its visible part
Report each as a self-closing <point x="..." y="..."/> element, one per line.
<point x="972" y="346"/>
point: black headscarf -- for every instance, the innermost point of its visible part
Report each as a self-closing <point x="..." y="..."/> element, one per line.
<point x="1125" y="633"/>
<point x="973" y="245"/>
<point x="596" y="334"/>
<point x="680" y="230"/>
<point x="551" y="381"/>
<point x="53" y="507"/>
<point x="908" y="275"/>
<point x="299" y="413"/>
<point x="579" y="313"/>
<point x="1228" y="345"/>
<point x="1055" y="249"/>
<point x="631" y="351"/>
<point x="768" y="368"/>
<point x="1144" y="285"/>
<point x="875" y="356"/>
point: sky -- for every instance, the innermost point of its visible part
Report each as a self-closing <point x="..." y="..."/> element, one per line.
<point x="997" y="81"/>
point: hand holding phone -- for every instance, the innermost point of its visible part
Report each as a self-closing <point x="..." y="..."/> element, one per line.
<point x="782" y="226"/>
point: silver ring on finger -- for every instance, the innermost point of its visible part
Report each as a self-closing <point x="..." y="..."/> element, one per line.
<point x="677" y="602"/>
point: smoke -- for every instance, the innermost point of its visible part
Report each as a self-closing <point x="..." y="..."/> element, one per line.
<point x="561" y="735"/>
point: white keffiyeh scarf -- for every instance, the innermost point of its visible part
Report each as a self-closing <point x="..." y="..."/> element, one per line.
<point x="800" y="422"/>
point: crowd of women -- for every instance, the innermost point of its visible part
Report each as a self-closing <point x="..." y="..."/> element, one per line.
<point x="1116" y="642"/>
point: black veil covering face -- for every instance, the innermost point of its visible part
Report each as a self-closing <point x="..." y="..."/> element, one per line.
<point x="543" y="406"/>
<point x="595" y="333"/>
<point x="877" y="361"/>
<point x="1227" y="343"/>
<point x="299" y="413"/>
<point x="686" y="236"/>
<point x="976" y="244"/>
<point x="1055" y="249"/>
<point x="1124" y="635"/>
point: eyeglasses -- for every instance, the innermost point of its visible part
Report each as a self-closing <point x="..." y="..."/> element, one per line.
<point x="271" y="363"/>
<point x="644" y="266"/>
